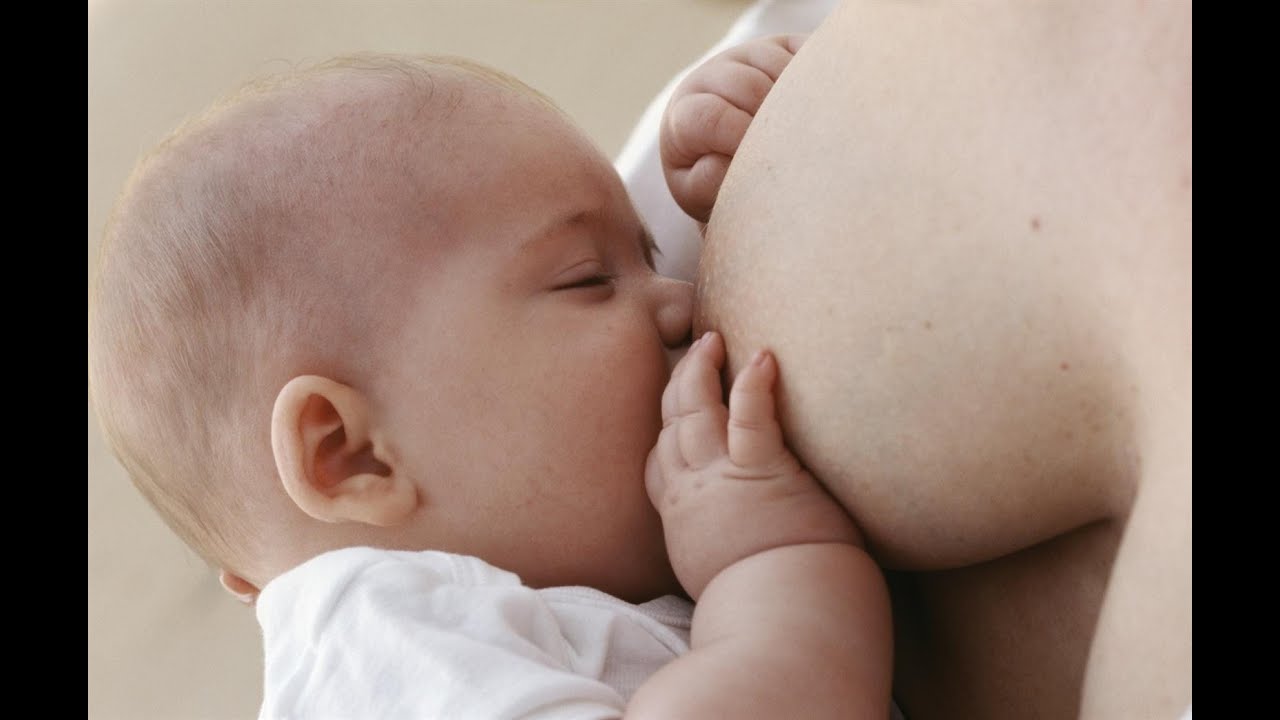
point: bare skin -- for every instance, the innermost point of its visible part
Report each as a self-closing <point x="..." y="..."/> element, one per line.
<point x="965" y="232"/>
<point x="793" y="615"/>
<point x="523" y="412"/>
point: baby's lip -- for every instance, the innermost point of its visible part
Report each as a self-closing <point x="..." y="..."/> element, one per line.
<point x="674" y="355"/>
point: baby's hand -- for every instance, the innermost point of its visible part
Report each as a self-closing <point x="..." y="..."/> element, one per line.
<point x="724" y="482"/>
<point x="710" y="112"/>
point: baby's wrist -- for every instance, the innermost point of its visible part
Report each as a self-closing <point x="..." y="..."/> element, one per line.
<point x="704" y="543"/>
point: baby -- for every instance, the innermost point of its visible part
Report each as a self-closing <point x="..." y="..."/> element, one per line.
<point x="383" y="341"/>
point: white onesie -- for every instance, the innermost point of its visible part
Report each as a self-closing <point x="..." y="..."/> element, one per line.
<point x="367" y="633"/>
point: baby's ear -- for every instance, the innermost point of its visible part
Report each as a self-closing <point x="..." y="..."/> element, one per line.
<point x="328" y="459"/>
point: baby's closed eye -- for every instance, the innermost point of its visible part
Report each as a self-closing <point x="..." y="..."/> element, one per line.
<point x="590" y="275"/>
<point x="588" y="282"/>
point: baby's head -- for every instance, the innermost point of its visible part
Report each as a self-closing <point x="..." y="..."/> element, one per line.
<point x="392" y="302"/>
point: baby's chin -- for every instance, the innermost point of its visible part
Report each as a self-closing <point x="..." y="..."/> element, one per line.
<point x="656" y="580"/>
<point x="654" y="576"/>
<point x="637" y="569"/>
<point x="634" y="573"/>
<point x="674" y="356"/>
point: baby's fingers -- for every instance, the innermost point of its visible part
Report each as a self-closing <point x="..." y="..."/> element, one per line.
<point x="741" y="84"/>
<point x="755" y="438"/>
<point x="695" y="189"/>
<point x="698" y="410"/>
<point x="698" y="124"/>
<point x="700" y="133"/>
<point x="769" y="54"/>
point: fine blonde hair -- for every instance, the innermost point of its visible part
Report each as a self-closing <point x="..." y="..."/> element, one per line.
<point x="202" y="303"/>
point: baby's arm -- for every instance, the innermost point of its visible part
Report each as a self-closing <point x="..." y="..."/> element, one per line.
<point x="793" y="616"/>
<point x="709" y="113"/>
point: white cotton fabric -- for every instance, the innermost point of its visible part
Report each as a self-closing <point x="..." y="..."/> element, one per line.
<point x="368" y="633"/>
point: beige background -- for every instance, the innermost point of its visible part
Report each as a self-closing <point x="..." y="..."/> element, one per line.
<point x="164" y="640"/>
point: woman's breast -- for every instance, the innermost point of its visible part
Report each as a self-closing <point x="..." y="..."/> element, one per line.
<point x="923" y="224"/>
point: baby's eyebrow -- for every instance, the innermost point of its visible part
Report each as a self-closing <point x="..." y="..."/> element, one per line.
<point x="648" y="246"/>
<point x="552" y="229"/>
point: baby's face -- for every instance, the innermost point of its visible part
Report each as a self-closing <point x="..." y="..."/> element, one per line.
<point x="526" y="390"/>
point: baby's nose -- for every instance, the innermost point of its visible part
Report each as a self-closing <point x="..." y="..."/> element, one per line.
<point x="674" y="313"/>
